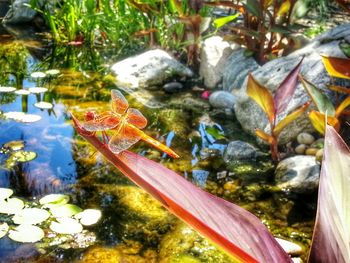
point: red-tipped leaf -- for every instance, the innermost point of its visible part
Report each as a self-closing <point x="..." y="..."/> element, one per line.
<point x="342" y="106"/>
<point x="337" y="67"/>
<point x="238" y="232"/>
<point x="331" y="238"/>
<point x="318" y="120"/>
<point x="286" y="90"/>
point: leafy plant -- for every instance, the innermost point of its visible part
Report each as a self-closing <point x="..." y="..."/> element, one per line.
<point x="336" y="67"/>
<point x="273" y="106"/>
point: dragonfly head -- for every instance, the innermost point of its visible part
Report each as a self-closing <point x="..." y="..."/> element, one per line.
<point x="90" y="115"/>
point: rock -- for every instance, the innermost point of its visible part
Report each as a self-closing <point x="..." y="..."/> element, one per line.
<point x="239" y="150"/>
<point x="290" y="247"/>
<point x="249" y="114"/>
<point x="319" y="155"/>
<point x="19" y="12"/>
<point x="299" y="174"/>
<point x="149" y="69"/>
<point x="300" y="149"/>
<point x="222" y="99"/>
<point x="311" y="151"/>
<point x="237" y="68"/>
<point x="214" y="54"/>
<point x="305" y="138"/>
<point x="172" y="87"/>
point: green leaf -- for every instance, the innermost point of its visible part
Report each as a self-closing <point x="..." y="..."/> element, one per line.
<point x="66" y="226"/>
<point x="220" y="22"/>
<point x="14" y="145"/>
<point x="66" y="210"/>
<point x="253" y="7"/>
<point x="217" y="134"/>
<point x="345" y="47"/>
<point x="323" y="104"/>
<point x="23" y="156"/>
<point x="26" y="234"/>
<point x="30" y="216"/>
<point x="54" y="200"/>
<point x="330" y="242"/>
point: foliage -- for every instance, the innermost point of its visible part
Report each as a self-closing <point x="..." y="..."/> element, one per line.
<point x="330" y="242"/>
<point x="273" y="106"/>
<point x="336" y="67"/>
<point x="239" y="233"/>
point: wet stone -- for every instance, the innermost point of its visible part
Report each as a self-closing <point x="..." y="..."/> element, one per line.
<point x="311" y="151"/>
<point x="173" y="87"/>
<point x="222" y="99"/>
<point x="305" y="138"/>
<point x="300" y="149"/>
<point x="239" y="150"/>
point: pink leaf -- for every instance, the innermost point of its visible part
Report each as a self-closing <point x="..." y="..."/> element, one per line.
<point x="332" y="234"/>
<point x="238" y="232"/>
<point x="285" y="91"/>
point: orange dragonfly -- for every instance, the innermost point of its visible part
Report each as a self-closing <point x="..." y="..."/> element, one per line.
<point x="125" y="122"/>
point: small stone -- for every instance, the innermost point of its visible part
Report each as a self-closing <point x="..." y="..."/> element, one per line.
<point x="305" y="138"/>
<point x="173" y="87"/>
<point x="290" y="247"/>
<point x="239" y="150"/>
<point x="222" y="99"/>
<point x="319" y="155"/>
<point x="311" y="151"/>
<point x="300" y="149"/>
<point x="221" y="175"/>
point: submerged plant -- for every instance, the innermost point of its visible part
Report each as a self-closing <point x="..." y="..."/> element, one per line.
<point x="273" y="106"/>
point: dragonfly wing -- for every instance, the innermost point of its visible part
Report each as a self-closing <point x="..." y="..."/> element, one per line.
<point x="124" y="138"/>
<point x="119" y="102"/>
<point x="101" y="122"/>
<point x="136" y="118"/>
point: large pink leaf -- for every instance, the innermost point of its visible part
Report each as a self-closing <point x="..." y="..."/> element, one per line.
<point x="331" y="239"/>
<point x="238" y="232"/>
<point x="286" y="90"/>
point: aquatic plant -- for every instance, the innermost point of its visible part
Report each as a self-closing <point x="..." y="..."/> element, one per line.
<point x="336" y="67"/>
<point x="273" y="106"/>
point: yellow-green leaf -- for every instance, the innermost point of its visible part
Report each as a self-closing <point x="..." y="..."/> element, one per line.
<point x="318" y="120"/>
<point x="289" y="118"/>
<point x="262" y="97"/>
<point x="337" y="67"/>
<point x="266" y="137"/>
<point x="284" y="8"/>
<point x="342" y="106"/>
<point x="220" y="22"/>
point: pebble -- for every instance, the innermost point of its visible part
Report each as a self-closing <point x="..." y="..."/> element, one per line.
<point x="319" y="143"/>
<point x="305" y="138"/>
<point x="173" y="87"/>
<point x="300" y="149"/>
<point x="319" y="155"/>
<point x="311" y="151"/>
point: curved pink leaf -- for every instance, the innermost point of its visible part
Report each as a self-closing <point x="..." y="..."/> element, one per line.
<point x="237" y="231"/>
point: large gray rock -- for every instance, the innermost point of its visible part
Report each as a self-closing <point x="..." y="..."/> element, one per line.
<point x="214" y="55"/>
<point x="19" y="12"/>
<point x="298" y="174"/>
<point x="149" y="69"/>
<point x="272" y="74"/>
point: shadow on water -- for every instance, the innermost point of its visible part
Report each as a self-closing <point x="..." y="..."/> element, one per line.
<point x="134" y="227"/>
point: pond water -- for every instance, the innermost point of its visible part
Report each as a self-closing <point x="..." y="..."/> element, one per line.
<point x="133" y="227"/>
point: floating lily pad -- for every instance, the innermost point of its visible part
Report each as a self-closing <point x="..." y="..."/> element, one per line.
<point x="26" y="234"/>
<point x="38" y="74"/>
<point x="37" y="90"/>
<point x="22" y="117"/>
<point x="23" y="156"/>
<point x="52" y="72"/>
<point x="54" y="200"/>
<point x="22" y="92"/>
<point x="4" y="228"/>
<point x="7" y="89"/>
<point x="43" y="105"/>
<point x="11" y="206"/>
<point x="14" y="145"/>
<point x="89" y="216"/>
<point x="31" y="216"/>
<point x="5" y="193"/>
<point x="66" y="210"/>
<point x="27" y="118"/>
<point x="66" y="226"/>
<point x="14" y="115"/>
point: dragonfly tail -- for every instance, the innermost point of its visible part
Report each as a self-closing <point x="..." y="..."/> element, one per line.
<point x="159" y="145"/>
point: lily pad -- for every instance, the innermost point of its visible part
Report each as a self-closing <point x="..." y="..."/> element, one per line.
<point x="37" y="90"/>
<point x="4" y="228"/>
<point x="27" y="118"/>
<point x="7" y="89"/>
<point x="5" y="193"/>
<point x="52" y="72"/>
<point x="14" y="145"/>
<point x="22" y="92"/>
<point x="38" y="74"/>
<point x="89" y="216"/>
<point x="54" y="200"/>
<point x="11" y="206"/>
<point x="31" y="216"/>
<point x="66" y="226"/>
<point x="22" y="117"/>
<point x="43" y="105"/>
<point x="26" y="234"/>
<point x="16" y="115"/>
<point x="23" y="156"/>
<point x="66" y="210"/>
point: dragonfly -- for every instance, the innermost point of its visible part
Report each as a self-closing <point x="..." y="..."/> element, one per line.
<point x="125" y="123"/>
